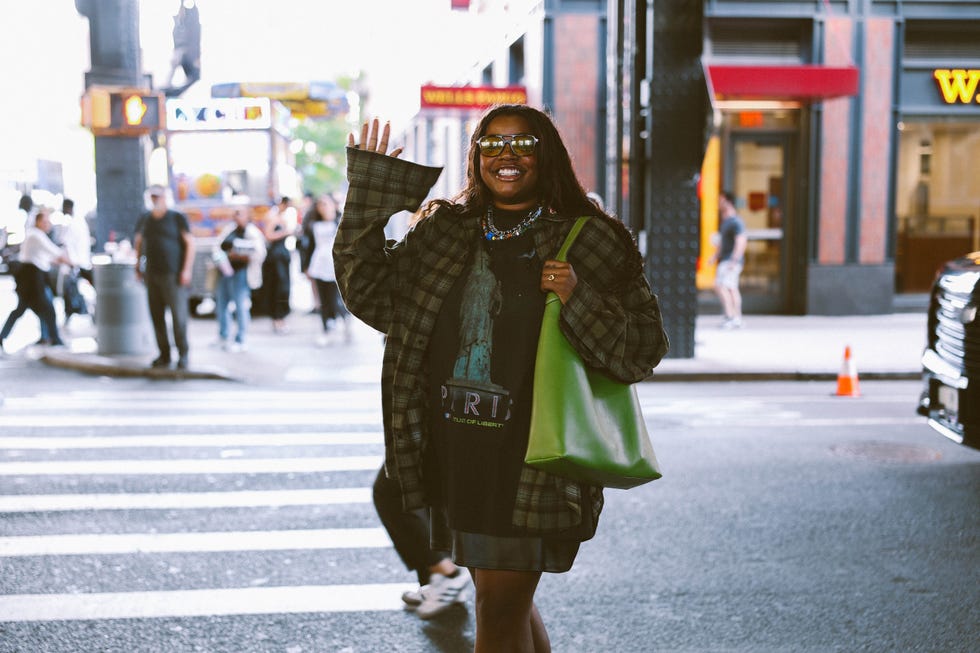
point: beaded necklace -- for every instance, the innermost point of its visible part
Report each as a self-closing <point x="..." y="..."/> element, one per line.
<point x="491" y="232"/>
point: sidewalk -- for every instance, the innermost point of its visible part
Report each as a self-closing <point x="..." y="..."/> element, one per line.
<point x="802" y="347"/>
<point x="767" y="347"/>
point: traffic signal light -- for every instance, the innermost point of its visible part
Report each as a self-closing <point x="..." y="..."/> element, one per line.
<point x="117" y="111"/>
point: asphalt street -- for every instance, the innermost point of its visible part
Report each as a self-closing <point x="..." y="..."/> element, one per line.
<point x="149" y="516"/>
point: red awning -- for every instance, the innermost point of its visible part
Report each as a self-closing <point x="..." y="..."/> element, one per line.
<point x="809" y="82"/>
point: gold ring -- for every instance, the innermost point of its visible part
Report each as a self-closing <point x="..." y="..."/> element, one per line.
<point x="551" y="277"/>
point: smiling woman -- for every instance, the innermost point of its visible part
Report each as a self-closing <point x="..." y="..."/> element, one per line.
<point x="461" y="300"/>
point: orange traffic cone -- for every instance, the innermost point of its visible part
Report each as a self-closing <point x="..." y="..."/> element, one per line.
<point x="847" y="379"/>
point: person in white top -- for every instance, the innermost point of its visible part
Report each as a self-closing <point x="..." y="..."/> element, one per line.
<point x="37" y="254"/>
<point x="77" y="240"/>
<point x="321" y="271"/>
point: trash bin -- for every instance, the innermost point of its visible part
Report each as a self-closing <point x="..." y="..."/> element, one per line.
<point x="122" y="318"/>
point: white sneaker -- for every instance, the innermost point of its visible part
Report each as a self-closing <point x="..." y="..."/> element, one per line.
<point x="413" y="598"/>
<point x="443" y="592"/>
<point x="237" y="347"/>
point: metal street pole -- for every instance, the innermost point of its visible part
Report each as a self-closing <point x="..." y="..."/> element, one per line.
<point x="120" y="161"/>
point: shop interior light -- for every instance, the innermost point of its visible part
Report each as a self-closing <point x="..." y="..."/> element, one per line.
<point x="756" y="105"/>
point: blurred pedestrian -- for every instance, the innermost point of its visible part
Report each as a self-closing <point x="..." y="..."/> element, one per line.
<point x="460" y="300"/>
<point x="279" y="225"/>
<point x="442" y="584"/>
<point x="77" y="241"/>
<point x="37" y="255"/>
<point x="243" y="245"/>
<point x="165" y="250"/>
<point x="23" y="221"/>
<point x="729" y="257"/>
<point x="597" y="199"/>
<point x="304" y="241"/>
<point x="321" y="269"/>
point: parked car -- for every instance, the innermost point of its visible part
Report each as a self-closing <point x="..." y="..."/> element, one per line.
<point x="951" y="361"/>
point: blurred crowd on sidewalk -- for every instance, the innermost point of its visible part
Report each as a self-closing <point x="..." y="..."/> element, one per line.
<point x="48" y="256"/>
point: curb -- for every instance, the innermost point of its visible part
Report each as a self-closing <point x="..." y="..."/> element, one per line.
<point x="104" y="366"/>
<point x="772" y="375"/>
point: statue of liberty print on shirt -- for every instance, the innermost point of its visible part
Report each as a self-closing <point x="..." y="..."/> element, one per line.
<point x="471" y="397"/>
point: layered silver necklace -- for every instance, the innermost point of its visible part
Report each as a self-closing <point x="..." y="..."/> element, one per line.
<point x="491" y="232"/>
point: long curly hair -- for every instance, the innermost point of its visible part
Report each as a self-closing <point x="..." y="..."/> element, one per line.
<point x="560" y="190"/>
<point x="559" y="187"/>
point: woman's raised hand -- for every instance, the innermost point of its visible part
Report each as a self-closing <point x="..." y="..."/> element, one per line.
<point x="374" y="139"/>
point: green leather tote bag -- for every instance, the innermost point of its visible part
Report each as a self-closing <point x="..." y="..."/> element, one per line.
<point x="585" y="426"/>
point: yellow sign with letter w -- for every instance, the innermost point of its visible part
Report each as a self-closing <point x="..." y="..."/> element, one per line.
<point x="958" y="85"/>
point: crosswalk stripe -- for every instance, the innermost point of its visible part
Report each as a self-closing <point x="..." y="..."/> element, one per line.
<point x="191" y="440"/>
<point x="183" y="398"/>
<point x="190" y="466"/>
<point x="201" y="603"/>
<point x="124" y="543"/>
<point x="202" y="402"/>
<point x="20" y="503"/>
<point x="289" y="418"/>
<point x="796" y="421"/>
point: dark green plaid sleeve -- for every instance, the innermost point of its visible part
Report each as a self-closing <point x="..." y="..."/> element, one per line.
<point x="367" y="265"/>
<point x="614" y="324"/>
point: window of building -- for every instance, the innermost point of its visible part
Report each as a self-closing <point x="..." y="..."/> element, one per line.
<point x="937" y="199"/>
<point x="942" y="40"/>
<point x="777" y="41"/>
<point x="516" y="70"/>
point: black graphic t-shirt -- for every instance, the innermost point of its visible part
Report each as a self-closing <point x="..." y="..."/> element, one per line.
<point x="481" y="359"/>
<point x="163" y="242"/>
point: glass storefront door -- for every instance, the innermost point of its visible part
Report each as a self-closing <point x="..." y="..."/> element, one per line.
<point x="757" y="169"/>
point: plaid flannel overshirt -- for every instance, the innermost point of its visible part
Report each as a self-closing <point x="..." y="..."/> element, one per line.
<point x="398" y="288"/>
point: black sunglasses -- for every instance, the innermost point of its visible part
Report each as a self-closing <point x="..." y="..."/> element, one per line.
<point x="520" y="144"/>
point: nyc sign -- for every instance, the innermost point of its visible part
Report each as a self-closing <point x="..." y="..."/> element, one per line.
<point x="219" y="114"/>
<point x="958" y="86"/>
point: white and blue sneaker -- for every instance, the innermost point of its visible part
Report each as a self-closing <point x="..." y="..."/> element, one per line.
<point x="442" y="593"/>
<point x="413" y="598"/>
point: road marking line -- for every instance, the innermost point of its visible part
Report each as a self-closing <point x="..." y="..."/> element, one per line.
<point x="183" y="397"/>
<point x="732" y="420"/>
<point x="202" y="401"/>
<point x="132" y="467"/>
<point x="291" y="418"/>
<point x="191" y="440"/>
<point x="648" y="397"/>
<point x="183" y="500"/>
<point x="126" y="543"/>
<point x="202" y="603"/>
